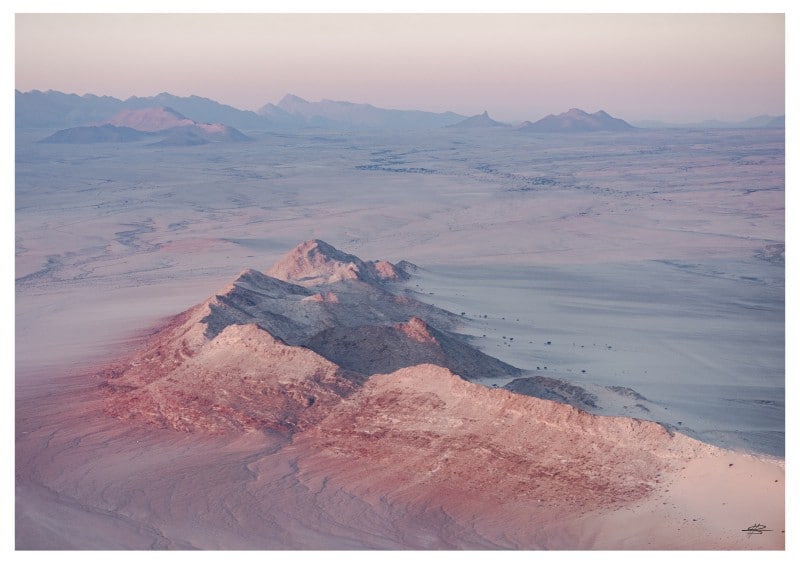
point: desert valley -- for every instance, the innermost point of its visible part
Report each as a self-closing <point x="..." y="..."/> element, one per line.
<point x="328" y="325"/>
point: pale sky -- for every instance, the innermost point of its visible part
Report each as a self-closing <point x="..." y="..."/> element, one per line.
<point x="672" y="67"/>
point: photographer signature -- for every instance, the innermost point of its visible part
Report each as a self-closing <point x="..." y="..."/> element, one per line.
<point x="756" y="529"/>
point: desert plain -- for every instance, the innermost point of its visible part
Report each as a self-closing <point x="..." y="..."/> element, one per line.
<point x="645" y="267"/>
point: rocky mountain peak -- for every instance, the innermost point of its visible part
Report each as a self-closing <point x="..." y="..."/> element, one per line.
<point x="316" y="262"/>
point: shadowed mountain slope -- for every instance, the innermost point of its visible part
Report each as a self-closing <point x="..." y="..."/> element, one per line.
<point x="381" y="349"/>
<point x="553" y="389"/>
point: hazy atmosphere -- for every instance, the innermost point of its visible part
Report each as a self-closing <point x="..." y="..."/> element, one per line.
<point x="668" y="67"/>
<point x="399" y="282"/>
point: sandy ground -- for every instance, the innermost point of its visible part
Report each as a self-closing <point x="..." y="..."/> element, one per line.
<point x="665" y="246"/>
<point x="723" y="501"/>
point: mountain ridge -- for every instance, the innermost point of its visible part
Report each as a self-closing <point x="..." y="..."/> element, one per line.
<point x="361" y="420"/>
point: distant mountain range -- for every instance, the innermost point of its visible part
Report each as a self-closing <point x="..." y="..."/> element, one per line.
<point x="57" y="110"/>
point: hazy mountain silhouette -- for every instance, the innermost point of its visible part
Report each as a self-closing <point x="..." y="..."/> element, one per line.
<point x="762" y="121"/>
<point x="96" y="134"/>
<point x="293" y="112"/>
<point x="349" y="115"/>
<point x="57" y="110"/>
<point x="52" y="109"/>
<point x="479" y="121"/>
<point x="575" y="120"/>
<point x="132" y="125"/>
<point x="150" y="119"/>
